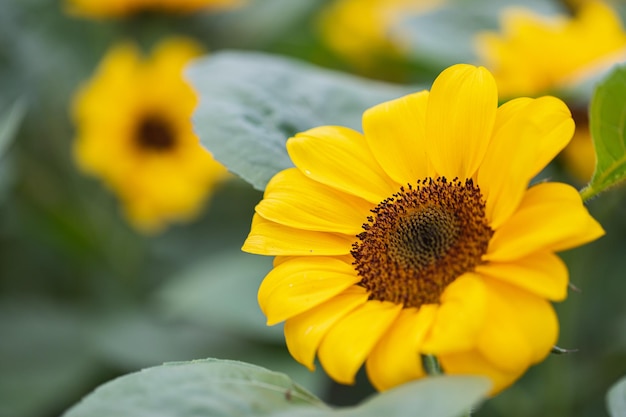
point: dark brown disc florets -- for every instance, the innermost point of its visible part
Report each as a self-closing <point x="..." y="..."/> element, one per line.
<point x="420" y="240"/>
<point x="153" y="133"/>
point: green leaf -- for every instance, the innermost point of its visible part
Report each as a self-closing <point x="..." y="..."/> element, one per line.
<point x="9" y="123"/>
<point x="607" y="122"/>
<point x="250" y="103"/>
<point x="616" y="399"/>
<point x="440" y="396"/>
<point x="214" y="388"/>
<point x="210" y="388"/>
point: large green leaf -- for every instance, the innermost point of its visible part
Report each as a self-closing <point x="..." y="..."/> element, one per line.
<point x="616" y="399"/>
<point x="607" y="122"/>
<point x="442" y="396"/>
<point x="250" y="103"/>
<point x="205" y="388"/>
<point x="214" y="388"/>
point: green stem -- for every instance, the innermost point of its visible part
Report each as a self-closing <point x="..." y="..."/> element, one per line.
<point x="431" y="365"/>
<point x="589" y="192"/>
<point x="594" y="188"/>
<point x="433" y="368"/>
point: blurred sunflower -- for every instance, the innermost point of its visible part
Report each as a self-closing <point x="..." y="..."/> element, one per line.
<point x="421" y="236"/>
<point x="134" y="132"/>
<point x="364" y="31"/>
<point x="120" y="8"/>
<point x="535" y="54"/>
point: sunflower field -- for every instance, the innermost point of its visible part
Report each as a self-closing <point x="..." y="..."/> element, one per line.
<point x="312" y="208"/>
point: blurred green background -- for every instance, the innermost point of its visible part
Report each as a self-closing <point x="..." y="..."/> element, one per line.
<point x="84" y="298"/>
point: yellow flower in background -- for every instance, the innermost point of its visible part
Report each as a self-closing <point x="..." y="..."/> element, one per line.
<point x="535" y="53"/>
<point x="134" y="132"/>
<point x="579" y="156"/>
<point x="119" y="8"/>
<point x="362" y="31"/>
<point x="421" y="236"/>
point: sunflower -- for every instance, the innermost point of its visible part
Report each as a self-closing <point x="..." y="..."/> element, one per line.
<point x="120" y="8"/>
<point x="579" y="156"/>
<point x="134" y="132"/>
<point x="362" y="31"/>
<point x="421" y="236"/>
<point x="535" y="53"/>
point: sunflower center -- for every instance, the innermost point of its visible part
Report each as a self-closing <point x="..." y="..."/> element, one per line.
<point x="420" y="240"/>
<point x="155" y="133"/>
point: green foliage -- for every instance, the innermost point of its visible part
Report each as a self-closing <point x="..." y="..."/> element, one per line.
<point x="198" y="292"/>
<point x="616" y="399"/>
<point x="200" y="388"/>
<point x="214" y="388"/>
<point x="9" y="123"/>
<point x="607" y="122"/>
<point x="250" y="103"/>
<point x="444" y="396"/>
<point x="42" y="353"/>
<point x="259" y="24"/>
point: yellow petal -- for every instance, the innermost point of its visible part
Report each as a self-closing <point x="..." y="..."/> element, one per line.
<point x="395" y="132"/>
<point x="294" y="200"/>
<point x="340" y="158"/>
<point x="302" y="283"/>
<point x="520" y="329"/>
<point x="280" y="259"/>
<point x="551" y="217"/>
<point x="501" y="341"/>
<point x="528" y="134"/>
<point x="542" y="273"/>
<point x="459" y="318"/>
<point x="558" y="128"/>
<point x="269" y="238"/>
<point x="510" y="110"/>
<point x="473" y="363"/>
<point x="589" y="230"/>
<point x="346" y="345"/>
<point x="396" y="357"/>
<point x="459" y="119"/>
<point x="304" y="332"/>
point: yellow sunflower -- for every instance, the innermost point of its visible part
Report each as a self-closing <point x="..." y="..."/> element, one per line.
<point x="421" y="236"/>
<point x="119" y="8"/>
<point x="362" y="31"/>
<point x="579" y="156"/>
<point x="134" y="132"/>
<point x="535" y="53"/>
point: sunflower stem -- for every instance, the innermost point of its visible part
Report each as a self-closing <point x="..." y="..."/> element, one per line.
<point x="431" y="365"/>
<point x="433" y="368"/>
